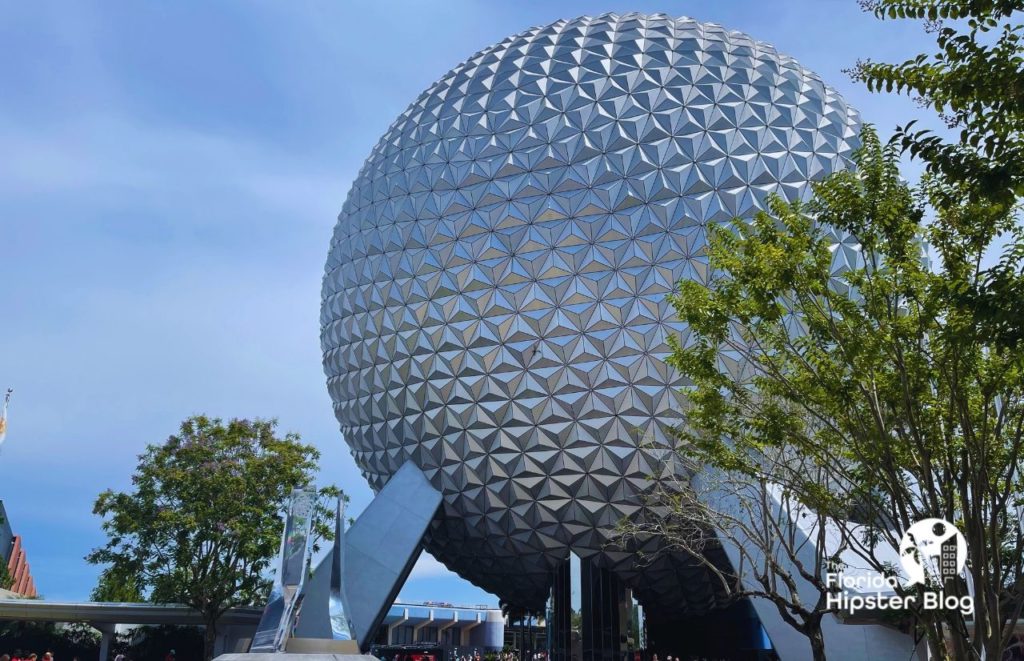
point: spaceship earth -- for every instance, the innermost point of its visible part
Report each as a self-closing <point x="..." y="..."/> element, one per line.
<point x="494" y="303"/>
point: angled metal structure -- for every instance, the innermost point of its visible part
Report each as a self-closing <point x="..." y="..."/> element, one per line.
<point x="494" y="304"/>
<point x="858" y="640"/>
<point x="381" y="548"/>
<point x="323" y="618"/>
<point x="278" y="618"/>
<point x="336" y="600"/>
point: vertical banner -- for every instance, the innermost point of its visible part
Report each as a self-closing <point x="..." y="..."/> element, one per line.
<point x="276" y="624"/>
<point x="296" y="542"/>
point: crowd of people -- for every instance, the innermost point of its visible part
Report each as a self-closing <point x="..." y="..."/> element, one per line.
<point x="171" y="656"/>
<point x="48" y="656"/>
<point x="507" y="655"/>
<point x="19" y="655"/>
<point x="669" y="657"/>
<point x="542" y="656"/>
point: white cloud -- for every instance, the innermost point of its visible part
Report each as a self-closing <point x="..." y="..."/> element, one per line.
<point x="113" y="154"/>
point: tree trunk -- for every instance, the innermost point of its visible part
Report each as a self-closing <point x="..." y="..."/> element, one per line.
<point x="960" y="640"/>
<point x="817" y="644"/>
<point x="209" y="638"/>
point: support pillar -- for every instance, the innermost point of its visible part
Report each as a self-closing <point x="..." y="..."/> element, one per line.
<point x="395" y="625"/>
<point x="464" y="632"/>
<point x="106" y="630"/>
<point x="559" y="614"/>
<point x="588" y="611"/>
<point x="419" y="627"/>
<point x="441" y="630"/>
<point x="382" y="546"/>
<point x="222" y="642"/>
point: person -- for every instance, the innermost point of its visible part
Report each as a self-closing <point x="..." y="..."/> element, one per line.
<point x="5" y="657"/>
<point x="170" y="656"/>
<point x="48" y="656"/>
<point x="119" y="657"/>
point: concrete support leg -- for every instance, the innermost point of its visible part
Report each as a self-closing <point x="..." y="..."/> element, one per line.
<point x="106" y="636"/>
<point x="228" y="636"/>
<point x="469" y="626"/>
<point x="221" y="642"/>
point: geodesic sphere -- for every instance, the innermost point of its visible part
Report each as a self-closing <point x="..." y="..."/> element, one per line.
<point x="494" y="304"/>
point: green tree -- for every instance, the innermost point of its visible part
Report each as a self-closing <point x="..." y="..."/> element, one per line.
<point x="781" y="550"/>
<point x="879" y="376"/>
<point x="65" y="641"/>
<point x="151" y="643"/>
<point x="117" y="583"/>
<point x="975" y="81"/>
<point x="203" y="520"/>
<point x="6" y="580"/>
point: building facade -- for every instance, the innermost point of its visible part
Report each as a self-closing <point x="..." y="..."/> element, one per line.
<point x="13" y="554"/>
<point x="458" y="629"/>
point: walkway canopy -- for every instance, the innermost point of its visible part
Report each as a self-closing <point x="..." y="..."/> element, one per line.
<point x="117" y="613"/>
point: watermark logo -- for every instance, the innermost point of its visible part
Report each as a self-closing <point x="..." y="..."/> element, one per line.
<point x="932" y="552"/>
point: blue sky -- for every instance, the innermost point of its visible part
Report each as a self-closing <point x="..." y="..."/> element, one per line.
<point x="170" y="174"/>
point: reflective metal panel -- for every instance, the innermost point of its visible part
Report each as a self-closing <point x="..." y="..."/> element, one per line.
<point x="340" y="629"/>
<point x="494" y="303"/>
<point x="381" y="548"/>
<point x="285" y="596"/>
